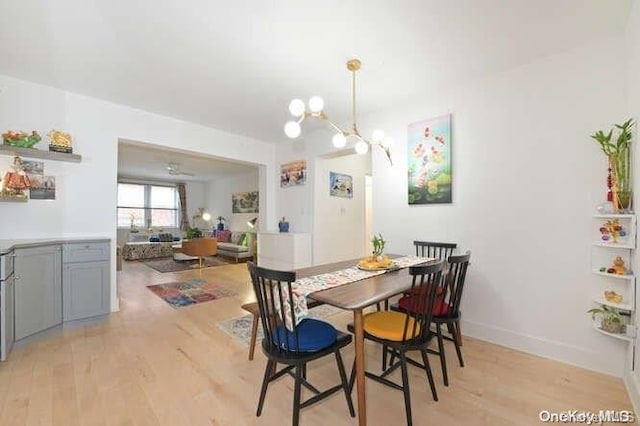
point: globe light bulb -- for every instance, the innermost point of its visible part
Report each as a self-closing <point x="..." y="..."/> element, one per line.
<point x="292" y="129"/>
<point x="206" y="216"/>
<point x="316" y="104"/>
<point x="377" y="135"/>
<point x="296" y="107"/>
<point x="361" y="147"/>
<point x="339" y="141"/>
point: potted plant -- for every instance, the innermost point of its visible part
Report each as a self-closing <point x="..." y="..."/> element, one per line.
<point x="220" y="219"/>
<point x="616" y="146"/>
<point x="610" y="319"/>
<point x="378" y="246"/>
<point x="193" y="233"/>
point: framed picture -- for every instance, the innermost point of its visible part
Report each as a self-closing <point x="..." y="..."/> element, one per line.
<point x="293" y="174"/>
<point x="244" y="202"/>
<point x="429" y="161"/>
<point x="340" y="185"/>
<point x="42" y="187"/>
<point x="33" y="167"/>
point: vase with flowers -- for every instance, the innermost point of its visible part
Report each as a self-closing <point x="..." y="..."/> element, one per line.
<point x="221" y="220"/>
<point x="616" y="145"/>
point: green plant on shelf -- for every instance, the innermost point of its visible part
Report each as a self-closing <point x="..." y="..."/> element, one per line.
<point x="611" y="320"/>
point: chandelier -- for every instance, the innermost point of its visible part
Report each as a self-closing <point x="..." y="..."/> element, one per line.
<point x="298" y="109"/>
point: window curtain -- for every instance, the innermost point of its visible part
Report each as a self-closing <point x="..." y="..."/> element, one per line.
<point x="182" y="195"/>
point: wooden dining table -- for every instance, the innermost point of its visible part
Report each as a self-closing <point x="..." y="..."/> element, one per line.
<point x="355" y="297"/>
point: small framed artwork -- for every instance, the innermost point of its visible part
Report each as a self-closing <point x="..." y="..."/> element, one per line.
<point x="340" y="185"/>
<point x="33" y="167"/>
<point x="244" y="202"/>
<point x="429" y="161"/>
<point x="293" y="174"/>
<point x="42" y="187"/>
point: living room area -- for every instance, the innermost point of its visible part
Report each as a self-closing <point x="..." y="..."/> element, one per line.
<point x="167" y="197"/>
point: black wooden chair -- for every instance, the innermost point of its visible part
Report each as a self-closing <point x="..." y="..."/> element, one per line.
<point x="400" y="333"/>
<point x="446" y="310"/>
<point x="309" y="340"/>
<point x="440" y="251"/>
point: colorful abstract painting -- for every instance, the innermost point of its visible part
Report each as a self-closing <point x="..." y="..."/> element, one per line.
<point x="340" y="185"/>
<point x="429" y="162"/>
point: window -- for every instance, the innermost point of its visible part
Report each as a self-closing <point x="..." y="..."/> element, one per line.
<point x="147" y="205"/>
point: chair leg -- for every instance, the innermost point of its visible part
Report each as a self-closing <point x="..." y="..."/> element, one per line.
<point x="458" y="333"/>
<point x="405" y="387"/>
<point x="254" y="335"/>
<point x="384" y="357"/>
<point x="265" y="382"/>
<point x="352" y="378"/>
<point x="345" y="384"/>
<point x="427" y="366"/>
<point x="457" y="344"/>
<point x="304" y="371"/>
<point x="296" y="395"/>
<point x="443" y="361"/>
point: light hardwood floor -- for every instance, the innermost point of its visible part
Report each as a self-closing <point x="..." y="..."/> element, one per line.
<point x="152" y="364"/>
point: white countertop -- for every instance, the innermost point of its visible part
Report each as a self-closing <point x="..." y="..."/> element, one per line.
<point x="7" y="245"/>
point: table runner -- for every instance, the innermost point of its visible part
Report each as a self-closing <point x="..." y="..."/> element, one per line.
<point x="302" y="287"/>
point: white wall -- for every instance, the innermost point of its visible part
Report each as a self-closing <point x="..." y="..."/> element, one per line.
<point x="220" y="200"/>
<point x="85" y="202"/>
<point x="527" y="178"/>
<point x="339" y="223"/>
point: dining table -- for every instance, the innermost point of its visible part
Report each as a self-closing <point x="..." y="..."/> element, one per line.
<point x="355" y="297"/>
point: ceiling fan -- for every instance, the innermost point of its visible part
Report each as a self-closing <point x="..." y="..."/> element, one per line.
<point x="174" y="170"/>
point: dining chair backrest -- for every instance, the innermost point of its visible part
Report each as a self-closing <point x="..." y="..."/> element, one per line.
<point x="458" y="265"/>
<point x="440" y="251"/>
<point x="425" y="282"/>
<point x="275" y="301"/>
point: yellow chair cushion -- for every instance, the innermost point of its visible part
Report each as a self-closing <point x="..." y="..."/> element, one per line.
<point x="389" y="325"/>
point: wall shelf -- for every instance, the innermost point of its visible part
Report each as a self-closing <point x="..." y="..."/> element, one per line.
<point x="622" y="306"/>
<point x="13" y="199"/>
<point x="616" y="246"/>
<point x="627" y="277"/>
<point x="613" y="216"/>
<point x="617" y="336"/>
<point x="39" y="153"/>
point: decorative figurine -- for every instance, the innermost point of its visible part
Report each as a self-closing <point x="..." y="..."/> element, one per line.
<point x="21" y="139"/>
<point x="612" y="296"/>
<point x="16" y="181"/>
<point x="618" y="266"/>
<point x="612" y="229"/>
<point x="60" y="141"/>
<point x="283" y="225"/>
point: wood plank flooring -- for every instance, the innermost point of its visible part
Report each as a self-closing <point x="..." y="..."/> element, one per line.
<point x="151" y="364"/>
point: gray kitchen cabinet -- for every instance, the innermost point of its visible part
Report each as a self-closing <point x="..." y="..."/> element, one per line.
<point x="86" y="284"/>
<point x="38" y="289"/>
<point x="7" y="280"/>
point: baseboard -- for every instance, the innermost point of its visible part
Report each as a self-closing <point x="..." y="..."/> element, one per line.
<point x="631" y="383"/>
<point x="557" y="351"/>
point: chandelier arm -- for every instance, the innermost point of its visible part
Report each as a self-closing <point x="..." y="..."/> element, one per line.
<point x="353" y="99"/>
<point x="335" y="126"/>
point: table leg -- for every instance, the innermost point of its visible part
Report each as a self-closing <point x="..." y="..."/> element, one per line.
<point x="360" y="384"/>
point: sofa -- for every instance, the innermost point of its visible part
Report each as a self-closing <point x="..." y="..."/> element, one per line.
<point x="236" y="245"/>
<point x="159" y="245"/>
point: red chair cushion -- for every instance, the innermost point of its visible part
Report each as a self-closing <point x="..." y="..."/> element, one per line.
<point x="440" y="309"/>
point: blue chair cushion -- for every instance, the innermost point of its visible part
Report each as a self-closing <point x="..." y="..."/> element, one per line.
<point x="176" y="238"/>
<point x="154" y="239"/>
<point x="313" y="335"/>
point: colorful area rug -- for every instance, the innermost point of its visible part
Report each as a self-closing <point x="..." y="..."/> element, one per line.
<point x="240" y="328"/>
<point x="187" y="293"/>
<point x="167" y="264"/>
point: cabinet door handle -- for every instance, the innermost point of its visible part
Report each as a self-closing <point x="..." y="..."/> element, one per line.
<point x="17" y="278"/>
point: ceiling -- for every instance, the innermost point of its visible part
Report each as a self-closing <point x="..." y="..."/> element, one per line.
<point x="236" y="65"/>
<point x="147" y="162"/>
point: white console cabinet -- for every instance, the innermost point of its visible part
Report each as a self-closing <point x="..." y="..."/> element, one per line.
<point x="284" y="251"/>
